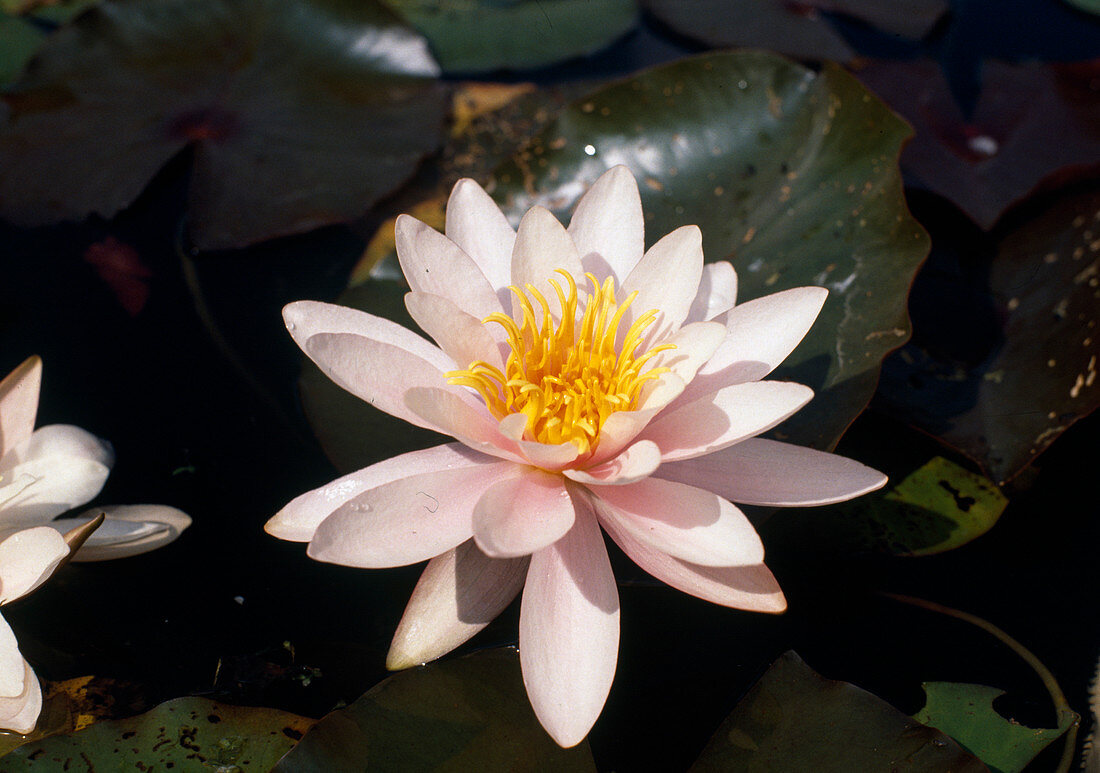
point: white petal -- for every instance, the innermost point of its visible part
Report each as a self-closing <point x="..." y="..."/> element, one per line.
<point x="11" y="663"/>
<point x="129" y="530"/>
<point x="569" y="631"/>
<point x="667" y="278"/>
<point x="57" y="468"/>
<point x="742" y="587"/>
<point x="521" y="515"/>
<point x="543" y="246"/>
<point x="694" y="343"/>
<point x="761" y="333"/>
<point x="758" y="471"/>
<point x="27" y="559"/>
<point x="300" y="518"/>
<point x="725" y="417"/>
<point x="476" y="224"/>
<point x="432" y="263"/>
<point x="407" y="520"/>
<point x="686" y="522"/>
<point x="459" y="593"/>
<point x="462" y="337"/>
<point x="470" y="424"/>
<point x="717" y="292"/>
<point x="638" y="461"/>
<point x="607" y="225"/>
<point x="623" y="426"/>
<point x="19" y="403"/>
<point x="20" y="712"/>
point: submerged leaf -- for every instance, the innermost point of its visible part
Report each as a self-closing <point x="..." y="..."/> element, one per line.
<point x="794" y="719"/>
<point x="297" y="113"/>
<point x="470" y="713"/>
<point x="965" y="712"/>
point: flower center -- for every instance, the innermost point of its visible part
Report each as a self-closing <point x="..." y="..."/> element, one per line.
<point x="566" y="377"/>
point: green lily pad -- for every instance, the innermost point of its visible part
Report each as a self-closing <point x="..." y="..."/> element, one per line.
<point x="794" y="719"/>
<point x="1037" y="372"/>
<point x="790" y="174"/>
<point x="185" y="733"/>
<point x="475" y="36"/>
<point x="470" y="713"/>
<point x="296" y="113"/>
<point x="965" y="712"/>
<point x="1091" y="6"/>
<point x="19" y="40"/>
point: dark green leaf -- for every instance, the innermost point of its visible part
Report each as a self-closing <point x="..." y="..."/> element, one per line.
<point x="186" y="733"/>
<point x="965" y="712"/>
<point x="1092" y="6"/>
<point x="794" y="719"/>
<point x="456" y="715"/>
<point x="791" y="174"/>
<point x="482" y="35"/>
<point x="297" y="112"/>
<point x="19" y="40"/>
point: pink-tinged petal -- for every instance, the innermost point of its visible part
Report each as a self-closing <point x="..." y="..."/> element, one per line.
<point x="128" y="530"/>
<point x="20" y="712"/>
<point x="622" y="427"/>
<point x="522" y="515"/>
<point x="758" y="471"/>
<point x="11" y="662"/>
<point x="569" y="631"/>
<point x="761" y="333"/>
<point x="607" y="225"/>
<point x="548" y="457"/>
<point x="476" y="224"/>
<point x="407" y="520"/>
<point x="686" y="522"/>
<point x="57" y="468"/>
<point x="638" y="461"/>
<point x="667" y="278"/>
<point x="466" y="422"/>
<point x="464" y="338"/>
<point x="19" y="403"/>
<point x="305" y="319"/>
<point x="725" y="417"/>
<point x="542" y="247"/>
<point x="432" y="263"/>
<point x="459" y="593"/>
<point x="27" y="559"/>
<point x="717" y="292"/>
<point x="695" y="343"/>
<point x="376" y="372"/>
<point x="752" y="588"/>
<point x="298" y="521"/>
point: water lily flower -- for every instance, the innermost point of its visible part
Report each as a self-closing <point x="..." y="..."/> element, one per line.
<point x="49" y="471"/>
<point x="588" y="383"/>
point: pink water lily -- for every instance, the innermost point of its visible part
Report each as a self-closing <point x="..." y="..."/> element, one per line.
<point x="589" y="383"/>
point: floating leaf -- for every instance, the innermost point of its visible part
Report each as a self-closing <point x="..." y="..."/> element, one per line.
<point x="965" y="712"/>
<point x="184" y="733"/>
<point x="481" y="35"/>
<point x="1030" y="122"/>
<point x="470" y="713"/>
<point x="297" y="113"/>
<point x="1092" y="6"/>
<point x="1035" y="372"/>
<point x="794" y="719"/>
<point x="791" y="174"/>
<point x="19" y="40"/>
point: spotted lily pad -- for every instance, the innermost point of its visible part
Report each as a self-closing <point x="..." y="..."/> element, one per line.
<point x="297" y="113"/>
<point x="185" y="734"/>
<point x="469" y="713"/>
<point x="790" y="174"/>
<point x="482" y="35"/>
<point x="1033" y="372"/>
<point x="794" y="719"/>
<point x="965" y="712"/>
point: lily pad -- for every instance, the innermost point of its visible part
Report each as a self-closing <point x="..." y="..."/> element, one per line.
<point x="297" y="113"/>
<point x="1035" y="372"/>
<point x="1091" y="6"/>
<point x="475" y="36"/>
<point x="790" y="174"/>
<point x="965" y="712"/>
<point x="470" y="713"/>
<point x="184" y="733"/>
<point x="1032" y="123"/>
<point x="19" y="39"/>
<point x="794" y="719"/>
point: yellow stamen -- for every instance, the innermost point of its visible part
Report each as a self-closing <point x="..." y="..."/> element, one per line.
<point x="567" y="377"/>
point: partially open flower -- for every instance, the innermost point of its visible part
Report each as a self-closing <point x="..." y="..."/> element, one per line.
<point x="589" y="383"/>
<point x="49" y="471"/>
